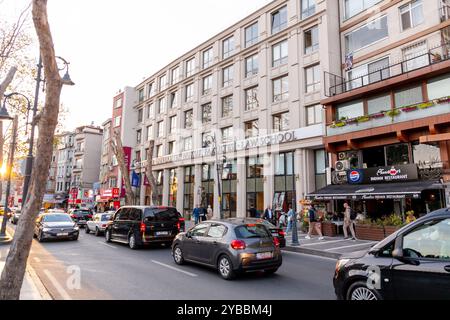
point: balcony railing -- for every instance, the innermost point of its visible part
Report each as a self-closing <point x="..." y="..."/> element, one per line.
<point x="335" y="85"/>
<point x="444" y="11"/>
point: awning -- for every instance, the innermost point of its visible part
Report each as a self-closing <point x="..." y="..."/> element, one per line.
<point x="375" y="191"/>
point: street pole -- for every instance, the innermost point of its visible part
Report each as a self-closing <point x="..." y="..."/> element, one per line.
<point x="219" y="187"/>
<point x="29" y="161"/>
<point x="9" y="170"/>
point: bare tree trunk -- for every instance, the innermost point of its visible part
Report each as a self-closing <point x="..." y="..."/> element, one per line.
<point x="117" y="148"/>
<point x="149" y="172"/>
<point x="13" y="273"/>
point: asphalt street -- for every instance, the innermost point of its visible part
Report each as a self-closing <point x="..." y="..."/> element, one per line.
<point x="90" y="269"/>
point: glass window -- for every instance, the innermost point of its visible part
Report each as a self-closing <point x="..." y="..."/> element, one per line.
<point x="227" y="76"/>
<point x="251" y="35"/>
<point x="163" y="82"/>
<point x="350" y="110"/>
<point x="251" y="129"/>
<point x="190" y="67"/>
<point x="378" y="70"/>
<point x="312" y="75"/>
<point x="280" y="89"/>
<point x="117" y="121"/>
<point x="188" y="117"/>
<point x="280" y="53"/>
<point x="141" y="95"/>
<point x="320" y="167"/>
<point x="173" y="124"/>
<point x="189" y="92"/>
<point x="207" y="85"/>
<point x="207" y="58"/>
<point x="150" y="110"/>
<point x="188" y="144"/>
<point x="415" y="56"/>
<point x="173" y="99"/>
<point x="162" y="105"/>
<point x="140" y="115"/>
<point x="251" y="66"/>
<point x="228" y="47"/>
<point x="408" y="97"/>
<point x="159" y="151"/>
<point x="171" y="147"/>
<point x="311" y="40"/>
<point x="281" y="122"/>
<point x="151" y="89"/>
<point x="426" y="154"/>
<point x="379" y="104"/>
<point x="138" y="136"/>
<point x="314" y="115"/>
<point x="308" y="8"/>
<point x="200" y="230"/>
<point x="227" y="134"/>
<point x="397" y="154"/>
<point x="366" y="35"/>
<point x="251" y="99"/>
<point x="175" y="75"/>
<point x="160" y="129"/>
<point x="411" y="14"/>
<point x="438" y="87"/>
<point x="227" y="106"/>
<point x="118" y="103"/>
<point x="149" y="133"/>
<point x="216" y="231"/>
<point x="206" y="113"/>
<point x="353" y="7"/>
<point x="279" y="20"/>
<point x="255" y="167"/>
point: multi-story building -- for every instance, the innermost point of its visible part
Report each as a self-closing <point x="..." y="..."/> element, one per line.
<point x="65" y="149"/>
<point x="107" y="158"/>
<point x="239" y="117"/>
<point x="388" y="108"/>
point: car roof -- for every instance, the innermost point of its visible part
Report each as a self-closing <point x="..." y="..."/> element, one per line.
<point x="149" y="207"/>
<point x="237" y="221"/>
<point x="445" y="212"/>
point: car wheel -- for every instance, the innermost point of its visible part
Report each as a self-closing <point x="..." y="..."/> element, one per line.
<point x="108" y="236"/>
<point x="271" y="271"/>
<point x="87" y="230"/>
<point x="132" y="242"/>
<point x="97" y="232"/>
<point x="360" y="291"/>
<point x="178" y="255"/>
<point x="225" y="268"/>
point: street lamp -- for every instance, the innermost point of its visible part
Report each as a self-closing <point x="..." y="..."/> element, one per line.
<point x="219" y="168"/>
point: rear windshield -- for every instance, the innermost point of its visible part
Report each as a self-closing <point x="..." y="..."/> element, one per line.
<point x="57" y="218"/>
<point x="106" y="217"/>
<point x="251" y="231"/>
<point x="167" y="214"/>
<point x="82" y="212"/>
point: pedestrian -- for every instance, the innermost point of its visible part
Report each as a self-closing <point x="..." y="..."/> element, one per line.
<point x="268" y="214"/>
<point x="203" y="214"/>
<point x="196" y="214"/>
<point x="349" y="217"/>
<point x="252" y="211"/>
<point x="314" y="223"/>
<point x="209" y="212"/>
<point x="282" y="220"/>
<point x="290" y="218"/>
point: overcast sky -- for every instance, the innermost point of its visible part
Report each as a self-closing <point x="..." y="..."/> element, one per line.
<point x="111" y="43"/>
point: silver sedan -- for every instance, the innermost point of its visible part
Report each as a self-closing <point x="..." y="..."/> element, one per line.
<point x="98" y="223"/>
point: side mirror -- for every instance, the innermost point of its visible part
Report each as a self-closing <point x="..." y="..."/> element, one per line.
<point x="189" y="235"/>
<point x="399" y="253"/>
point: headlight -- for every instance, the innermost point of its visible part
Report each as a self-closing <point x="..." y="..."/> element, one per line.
<point x="341" y="263"/>
<point x="46" y="229"/>
<point x="76" y="228"/>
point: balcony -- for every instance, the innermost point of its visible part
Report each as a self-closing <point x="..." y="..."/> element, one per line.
<point x="444" y="11"/>
<point x="336" y="85"/>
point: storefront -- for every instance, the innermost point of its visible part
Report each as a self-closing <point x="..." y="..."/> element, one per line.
<point x="207" y="191"/>
<point x="173" y="187"/>
<point x="255" y="184"/>
<point x="284" y="182"/>
<point x="109" y="199"/>
<point x="188" y="203"/>
<point x="229" y="189"/>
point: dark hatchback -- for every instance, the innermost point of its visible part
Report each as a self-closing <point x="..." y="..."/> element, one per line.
<point x="412" y="264"/>
<point x="140" y="225"/>
<point x="51" y="226"/>
<point x="276" y="232"/>
<point x="81" y="216"/>
<point x="231" y="246"/>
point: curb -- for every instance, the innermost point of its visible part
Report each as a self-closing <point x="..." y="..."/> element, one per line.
<point x="43" y="292"/>
<point x="313" y="252"/>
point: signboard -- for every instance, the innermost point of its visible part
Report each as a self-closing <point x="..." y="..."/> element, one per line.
<point x="398" y="173"/>
<point x="135" y="180"/>
<point x="110" y="193"/>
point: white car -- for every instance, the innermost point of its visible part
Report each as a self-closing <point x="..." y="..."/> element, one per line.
<point x="98" y="223"/>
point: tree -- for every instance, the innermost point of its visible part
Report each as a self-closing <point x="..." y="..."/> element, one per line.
<point x="12" y="276"/>
<point x="117" y="148"/>
<point x="149" y="172"/>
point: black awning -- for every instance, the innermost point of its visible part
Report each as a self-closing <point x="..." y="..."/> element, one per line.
<point x="375" y="191"/>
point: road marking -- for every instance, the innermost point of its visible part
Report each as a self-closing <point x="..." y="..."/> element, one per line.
<point x="175" y="269"/>
<point x="352" y="246"/>
<point x="321" y="242"/>
<point x="108" y="245"/>
<point x="37" y="259"/>
<point x="58" y="287"/>
<point x="308" y="255"/>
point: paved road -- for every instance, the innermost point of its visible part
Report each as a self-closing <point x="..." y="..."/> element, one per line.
<point x="113" y="271"/>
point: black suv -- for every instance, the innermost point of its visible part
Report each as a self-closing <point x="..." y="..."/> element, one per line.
<point x="413" y="263"/>
<point x="139" y="225"/>
<point x="81" y="216"/>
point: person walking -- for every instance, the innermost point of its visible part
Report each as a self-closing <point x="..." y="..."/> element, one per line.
<point x="290" y="218"/>
<point x="314" y="223"/>
<point x="196" y="214"/>
<point x="349" y="217"/>
<point x="268" y="214"/>
<point x="252" y="211"/>
<point x="209" y="212"/>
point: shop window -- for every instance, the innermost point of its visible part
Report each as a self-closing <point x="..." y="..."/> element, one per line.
<point x="188" y="201"/>
<point x="397" y="154"/>
<point x="320" y="158"/>
<point x="426" y="154"/>
<point x="374" y="157"/>
<point x="207" y="191"/>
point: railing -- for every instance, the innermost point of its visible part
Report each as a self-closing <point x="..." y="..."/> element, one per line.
<point x="335" y="85"/>
<point x="444" y="11"/>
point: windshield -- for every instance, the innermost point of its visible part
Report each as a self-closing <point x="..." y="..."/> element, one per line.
<point x="84" y="212"/>
<point x="57" y="218"/>
<point x="169" y="214"/>
<point x="106" y="217"/>
<point x="252" y="231"/>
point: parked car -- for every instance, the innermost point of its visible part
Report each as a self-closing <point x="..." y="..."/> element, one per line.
<point x="231" y="246"/>
<point x="15" y="216"/>
<point x="81" y="216"/>
<point x="413" y="263"/>
<point x="55" y="226"/>
<point x="276" y="232"/>
<point x="140" y="225"/>
<point x="98" y="223"/>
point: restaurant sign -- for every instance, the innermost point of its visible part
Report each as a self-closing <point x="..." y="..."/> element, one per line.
<point x="398" y="173"/>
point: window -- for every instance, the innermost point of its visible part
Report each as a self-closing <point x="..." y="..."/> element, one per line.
<point x="189" y="92"/>
<point x="350" y="110"/>
<point x="353" y="7"/>
<point x="173" y="124"/>
<point x="407" y="97"/>
<point x="190" y="67"/>
<point x="162" y="82"/>
<point x="141" y="95"/>
<point x="227" y="76"/>
<point x="251" y="35"/>
<point x="162" y="105"/>
<point x="366" y="35"/>
<point x="308" y="8"/>
<point x="379" y="104"/>
<point x="160" y="129"/>
<point x="251" y="129"/>
<point x="312" y="78"/>
<point x="188" y="117"/>
<point x="426" y="154"/>
<point x="207" y="58"/>
<point x="415" y="56"/>
<point x="227" y="106"/>
<point x="138" y="136"/>
<point x="200" y="230"/>
<point x="251" y="66"/>
<point x="175" y="75"/>
<point x="438" y="87"/>
<point x="227" y="134"/>
<point x="173" y="99"/>
<point x="171" y="147"/>
<point x="159" y="151"/>
<point x="251" y="99"/>
<point x="187" y="144"/>
<point x="320" y="157"/>
<point x="228" y="47"/>
<point x="150" y="110"/>
<point x="206" y="142"/>
<point x="397" y="154"/>
<point x="280" y="89"/>
<point x="281" y="122"/>
<point x="279" y="20"/>
<point x="149" y="134"/>
<point x="311" y="40"/>
<point x="118" y="103"/>
<point x="368" y="73"/>
<point x="411" y="14"/>
<point x="206" y="113"/>
<point x="280" y="53"/>
<point x="117" y="121"/>
<point x="140" y="115"/>
<point x="151" y="89"/>
<point x="314" y="115"/>
<point x="207" y="85"/>
<point x="138" y="156"/>
<point x="216" y="231"/>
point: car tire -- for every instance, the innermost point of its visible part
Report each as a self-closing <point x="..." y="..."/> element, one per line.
<point x="360" y="291"/>
<point x="108" y="235"/>
<point x="97" y="232"/>
<point x="178" y="255"/>
<point x="270" y="271"/>
<point x="225" y="268"/>
<point x="132" y="242"/>
<point x="87" y="230"/>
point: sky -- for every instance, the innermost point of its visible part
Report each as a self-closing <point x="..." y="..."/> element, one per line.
<point x="111" y="44"/>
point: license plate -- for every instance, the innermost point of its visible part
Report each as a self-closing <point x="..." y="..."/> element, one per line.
<point x="275" y="234"/>
<point x="162" y="233"/>
<point x="264" y="255"/>
<point x="65" y="234"/>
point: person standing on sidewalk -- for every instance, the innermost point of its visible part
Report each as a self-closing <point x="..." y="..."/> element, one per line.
<point x="314" y="223"/>
<point x="209" y="212"/>
<point x="290" y="218"/>
<point x="196" y="214"/>
<point x="348" y="221"/>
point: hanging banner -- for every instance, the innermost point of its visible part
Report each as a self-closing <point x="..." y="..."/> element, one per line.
<point x="135" y="180"/>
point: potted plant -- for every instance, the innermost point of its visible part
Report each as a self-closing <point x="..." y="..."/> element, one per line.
<point x="363" y="119"/>
<point x="391" y="224"/>
<point x="368" y="230"/>
<point x="425" y="105"/>
<point x="329" y="229"/>
<point x="393" y="113"/>
<point x="443" y="100"/>
<point x="409" y="108"/>
<point x="377" y="115"/>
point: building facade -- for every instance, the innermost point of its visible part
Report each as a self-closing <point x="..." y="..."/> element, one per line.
<point x="237" y="121"/>
<point x="65" y="150"/>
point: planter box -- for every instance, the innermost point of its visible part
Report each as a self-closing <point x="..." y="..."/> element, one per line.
<point x="369" y="232"/>
<point x="388" y="230"/>
<point x="329" y="229"/>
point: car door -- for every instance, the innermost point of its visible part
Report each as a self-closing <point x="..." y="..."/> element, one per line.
<point x="196" y="242"/>
<point x="212" y="243"/>
<point x="116" y="224"/>
<point x="424" y="269"/>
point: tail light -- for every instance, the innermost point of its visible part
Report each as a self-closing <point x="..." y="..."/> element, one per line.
<point x="89" y="216"/>
<point x="276" y="242"/>
<point x="142" y="227"/>
<point x="72" y="216"/>
<point x="180" y="220"/>
<point x="104" y="225"/>
<point x="238" y="244"/>
<point x="282" y="233"/>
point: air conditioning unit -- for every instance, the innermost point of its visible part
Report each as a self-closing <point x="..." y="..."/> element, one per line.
<point x="342" y="165"/>
<point x="342" y="156"/>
